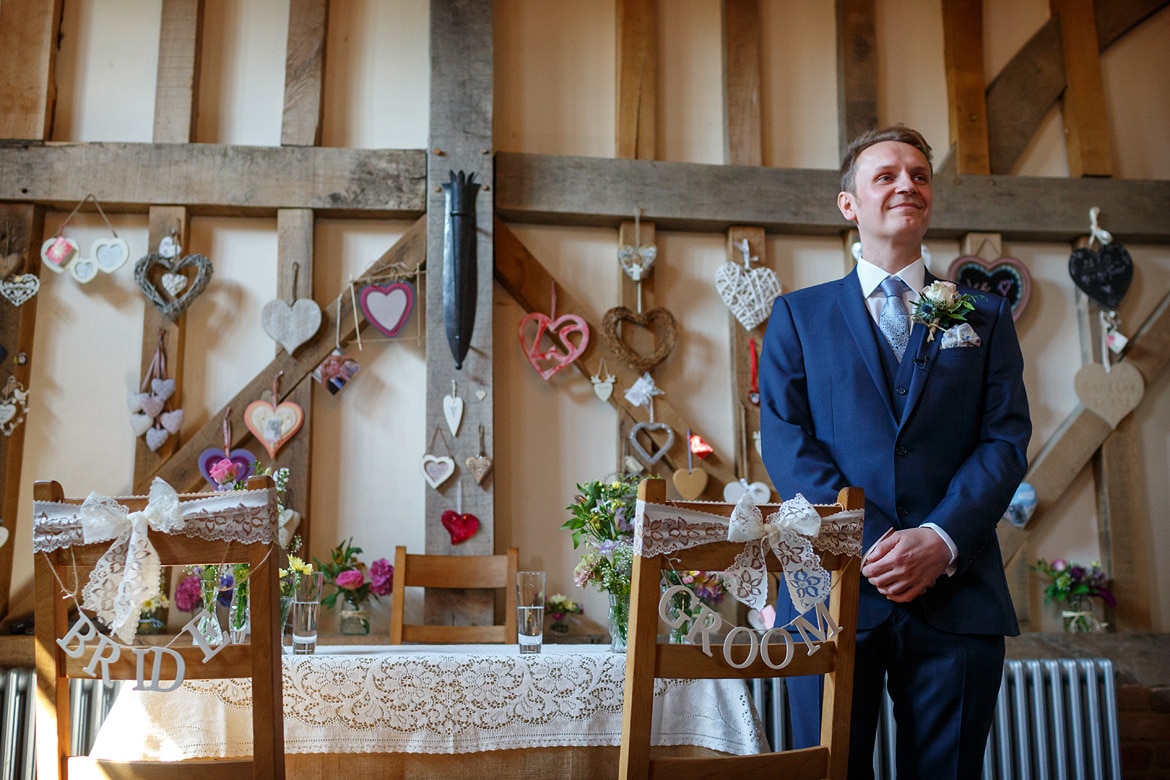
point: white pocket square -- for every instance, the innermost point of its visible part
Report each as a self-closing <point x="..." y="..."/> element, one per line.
<point x="961" y="335"/>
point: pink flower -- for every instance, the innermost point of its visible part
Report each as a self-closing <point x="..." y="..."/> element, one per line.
<point x="224" y="471"/>
<point x="381" y="577"/>
<point x="350" y="579"/>
<point x="188" y="594"/>
<point x="1060" y="564"/>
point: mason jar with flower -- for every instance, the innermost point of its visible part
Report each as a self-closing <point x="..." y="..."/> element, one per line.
<point x="1074" y="586"/>
<point x="354" y="585"/>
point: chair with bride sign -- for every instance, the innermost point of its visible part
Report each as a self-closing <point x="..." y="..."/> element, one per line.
<point x="183" y="530"/>
<point x="833" y="655"/>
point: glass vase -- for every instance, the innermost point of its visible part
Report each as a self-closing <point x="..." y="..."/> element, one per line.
<point x="1079" y="617"/>
<point x="619" y="621"/>
<point x="353" y="616"/>
<point x="153" y="621"/>
<point x="239" y="621"/>
<point x="209" y="591"/>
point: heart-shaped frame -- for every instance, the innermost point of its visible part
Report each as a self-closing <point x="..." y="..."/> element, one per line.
<point x="1004" y="276"/>
<point x="148" y="273"/>
<point x="659" y="321"/>
<point x="651" y="427"/>
<point x="436" y="469"/>
<point x="273" y="424"/>
<point x="563" y="351"/>
<point x="387" y="307"/>
<point x="57" y="251"/>
<point x="240" y="456"/>
<point x="110" y="253"/>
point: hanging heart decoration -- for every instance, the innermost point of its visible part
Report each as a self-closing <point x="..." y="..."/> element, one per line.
<point x="290" y="326"/>
<point x="290" y="520"/>
<point x="734" y="491"/>
<point x="20" y="289"/>
<point x="388" y="307"/>
<point x="748" y="292"/>
<point x="650" y="428"/>
<point x="559" y="332"/>
<point x="13" y="405"/>
<point x="1111" y="394"/>
<point x="691" y="483"/>
<point x="273" y="424"/>
<point x="56" y="252"/>
<point x="659" y="321"/>
<point x="480" y="465"/>
<point x="602" y="388"/>
<point x="453" y="410"/>
<point x="3" y="535"/>
<point x="171" y="273"/>
<point x="151" y="412"/>
<point x="636" y="261"/>
<point x="461" y="527"/>
<point x="244" y="460"/>
<point x="110" y="254"/>
<point x="1104" y="275"/>
<point x="1005" y="276"/>
<point x="10" y="262"/>
<point x="437" y="469"/>
<point x="156" y="437"/>
<point x="84" y="269"/>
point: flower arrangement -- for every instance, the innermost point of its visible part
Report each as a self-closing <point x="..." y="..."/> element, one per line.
<point x="1072" y="585"/>
<point x="941" y="305"/>
<point x="348" y="575"/>
<point x="189" y="593"/>
<point x="288" y="577"/>
<point x="706" y="586"/>
<point x="558" y="607"/>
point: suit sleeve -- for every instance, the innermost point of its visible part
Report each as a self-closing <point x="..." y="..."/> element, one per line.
<point x="796" y="461"/>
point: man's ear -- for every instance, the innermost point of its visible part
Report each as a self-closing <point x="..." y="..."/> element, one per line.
<point x="845" y="204"/>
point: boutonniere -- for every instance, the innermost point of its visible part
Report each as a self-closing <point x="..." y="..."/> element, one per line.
<point x="941" y="305"/>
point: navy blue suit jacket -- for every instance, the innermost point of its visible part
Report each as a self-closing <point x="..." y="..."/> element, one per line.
<point x="954" y="457"/>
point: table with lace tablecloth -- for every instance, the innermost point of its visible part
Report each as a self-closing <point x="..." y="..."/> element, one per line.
<point x="434" y="700"/>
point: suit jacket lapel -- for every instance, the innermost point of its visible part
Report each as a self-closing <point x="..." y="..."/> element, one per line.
<point x="924" y="353"/>
<point x="857" y="319"/>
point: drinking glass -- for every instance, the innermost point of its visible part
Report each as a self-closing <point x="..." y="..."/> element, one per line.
<point x="306" y="604"/>
<point x="530" y="606"/>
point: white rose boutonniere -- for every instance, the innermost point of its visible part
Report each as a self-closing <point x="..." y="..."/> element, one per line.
<point x="941" y="305"/>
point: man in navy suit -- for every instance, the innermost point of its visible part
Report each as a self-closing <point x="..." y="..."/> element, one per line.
<point x="937" y="436"/>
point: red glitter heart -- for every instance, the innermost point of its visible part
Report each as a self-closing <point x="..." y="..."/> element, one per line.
<point x="461" y="527"/>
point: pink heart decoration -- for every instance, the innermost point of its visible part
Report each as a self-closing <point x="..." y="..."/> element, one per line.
<point x="1005" y="276"/>
<point x="388" y="308"/>
<point x="563" y="351"/>
<point x="461" y="527"/>
<point x="273" y="425"/>
<point x="156" y="437"/>
<point x="151" y="404"/>
<point x="172" y="421"/>
<point x="241" y="457"/>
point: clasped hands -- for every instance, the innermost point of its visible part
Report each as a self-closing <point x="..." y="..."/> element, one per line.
<point x="903" y="564"/>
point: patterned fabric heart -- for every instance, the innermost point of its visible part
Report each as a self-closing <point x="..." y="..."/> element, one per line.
<point x="20" y="289"/>
<point x="562" y="351"/>
<point x="460" y="527"/>
<point x="156" y="437"/>
<point x="659" y="321"/>
<point x="148" y="273"/>
<point x="1005" y="276"/>
<point x="172" y="420"/>
<point x="748" y="293"/>
<point x="1103" y="275"/>
<point x="637" y="261"/>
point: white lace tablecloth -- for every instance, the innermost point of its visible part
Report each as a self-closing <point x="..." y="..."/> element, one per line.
<point x="430" y="699"/>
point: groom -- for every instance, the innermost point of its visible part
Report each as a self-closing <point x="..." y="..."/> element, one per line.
<point x="934" y="426"/>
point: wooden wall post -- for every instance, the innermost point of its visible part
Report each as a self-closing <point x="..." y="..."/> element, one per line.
<point x="1086" y="123"/>
<point x="856" y="70"/>
<point x="742" y="74"/>
<point x="963" y="53"/>
<point x="637" y="75"/>
<point x="460" y="141"/>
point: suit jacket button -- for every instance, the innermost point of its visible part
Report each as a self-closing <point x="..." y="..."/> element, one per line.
<point x="900" y="450"/>
<point x="903" y="511"/>
<point x="900" y="391"/>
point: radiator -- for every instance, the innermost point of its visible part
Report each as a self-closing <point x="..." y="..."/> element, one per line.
<point x="1055" y="720"/>
<point x="89" y="702"/>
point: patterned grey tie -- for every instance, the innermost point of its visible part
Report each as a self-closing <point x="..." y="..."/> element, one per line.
<point x="895" y="320"/>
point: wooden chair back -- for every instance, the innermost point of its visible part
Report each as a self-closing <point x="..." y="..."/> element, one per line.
<point x="258" y="659"/>
<point x="479" y="572"/>
<point x="646" y="659"/>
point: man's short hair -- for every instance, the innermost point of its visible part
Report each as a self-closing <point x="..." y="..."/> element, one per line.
<point x="898" y="132"/>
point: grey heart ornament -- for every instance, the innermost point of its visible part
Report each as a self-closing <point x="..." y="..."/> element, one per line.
<point x="291" y="326"/>
<point x="150" y="270"/>
<point x="651" y="427"/>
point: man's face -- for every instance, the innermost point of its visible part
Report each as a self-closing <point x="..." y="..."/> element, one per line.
<point x="892" y="193"/>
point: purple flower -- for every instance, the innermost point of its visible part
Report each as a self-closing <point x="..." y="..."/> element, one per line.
<point x="607" y="547"/>
<point x="226" y="585"/>
<point x="381" y="577"/>
<point x="619" y="520"/>
<point x="350" y="579"/>
<point x="188" y="593"/>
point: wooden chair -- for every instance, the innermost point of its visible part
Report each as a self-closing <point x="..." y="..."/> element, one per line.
<point x="454" y="571"/>
<point x="647" y="660"/>
<point x="259" y="660"/>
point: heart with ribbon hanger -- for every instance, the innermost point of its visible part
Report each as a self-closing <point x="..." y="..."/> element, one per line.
<point x="437" y="469"/>
<point x="558" y="333"/>
<point x="274" y="423"/>
<point x="748" y="292"/>
<point x="172" y="283"/>
<point x="1103" y="269"/>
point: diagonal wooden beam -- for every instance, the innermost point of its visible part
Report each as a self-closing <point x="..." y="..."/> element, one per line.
<point x="530" y="283"/>
<point x="179" y="470"/>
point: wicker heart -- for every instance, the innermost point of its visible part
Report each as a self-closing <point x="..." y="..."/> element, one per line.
<point x="156" y="437"/>
<point x="636" y="261"/>
<point x="646" y="457"/>
<point x="140" y="424"/>
<point x="244" y="459"/>
<point x="690" y="484"/>
<point x="56" y="252"/>
<point x="748" y="293"/>
<point x="291" y="326"/>
<point x="150" y="270"/>
<point x="84" y="269"/>
<point x="479" y="466"/>
<point x="1105" y="275"/>
<point x="162" y="388"/>
<point x="273" y="425"/>
<point x="172" y="421"/>
<point x="1006" y="276"/>
<point x="20" y="289"/>
<point x="174" y="284"/>
<point x="733" y="491"/>
<point x="110" y="254"/>
<point x="1110" y="394"/>
<point x="437" y="470"/>
<point x="461" y="527"/>
<point x="563" y="351"/>
<point x="659" y="321"/>
<point x="388" y="308"/>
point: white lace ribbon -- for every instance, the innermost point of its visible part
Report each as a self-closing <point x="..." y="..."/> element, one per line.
<point x="794" y="534"/>
<point x="127" y="574"/>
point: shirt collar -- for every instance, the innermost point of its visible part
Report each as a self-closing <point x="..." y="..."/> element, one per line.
<point x="871" y="276"/>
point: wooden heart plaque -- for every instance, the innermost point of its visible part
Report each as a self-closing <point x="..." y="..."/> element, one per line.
<point x="1110" y="394"/>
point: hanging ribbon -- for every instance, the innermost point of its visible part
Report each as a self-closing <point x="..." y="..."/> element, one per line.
<point x="1096" y="232"/>
<point x="754" y="393"/>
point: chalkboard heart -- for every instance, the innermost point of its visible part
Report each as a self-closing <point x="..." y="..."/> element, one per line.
<point x="659" y="321"/>
<point x="461" y="527"/>
<point x="1005" y="276"/>
<point x="651" y="428"/>
<point x="291" y="326"/>
<point x="20" y="288"/>
<point x="388" y="307"/>
<point x="273" y="425"/>
<point x="150" y="270"/>
<point x="560" y="331"/>
<point x="243" y="459"/>
<point x="1110" y="394"/>
<point x="436" y="470"/>
<point x="110" y="254"/>
<point x="1104" y="275"/>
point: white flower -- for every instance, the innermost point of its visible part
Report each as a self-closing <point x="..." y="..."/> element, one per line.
<point x="941" y="293"/>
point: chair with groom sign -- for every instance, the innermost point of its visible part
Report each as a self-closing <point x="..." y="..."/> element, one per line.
<point x="237" y="527"/>
<point x="646" y="659"/>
